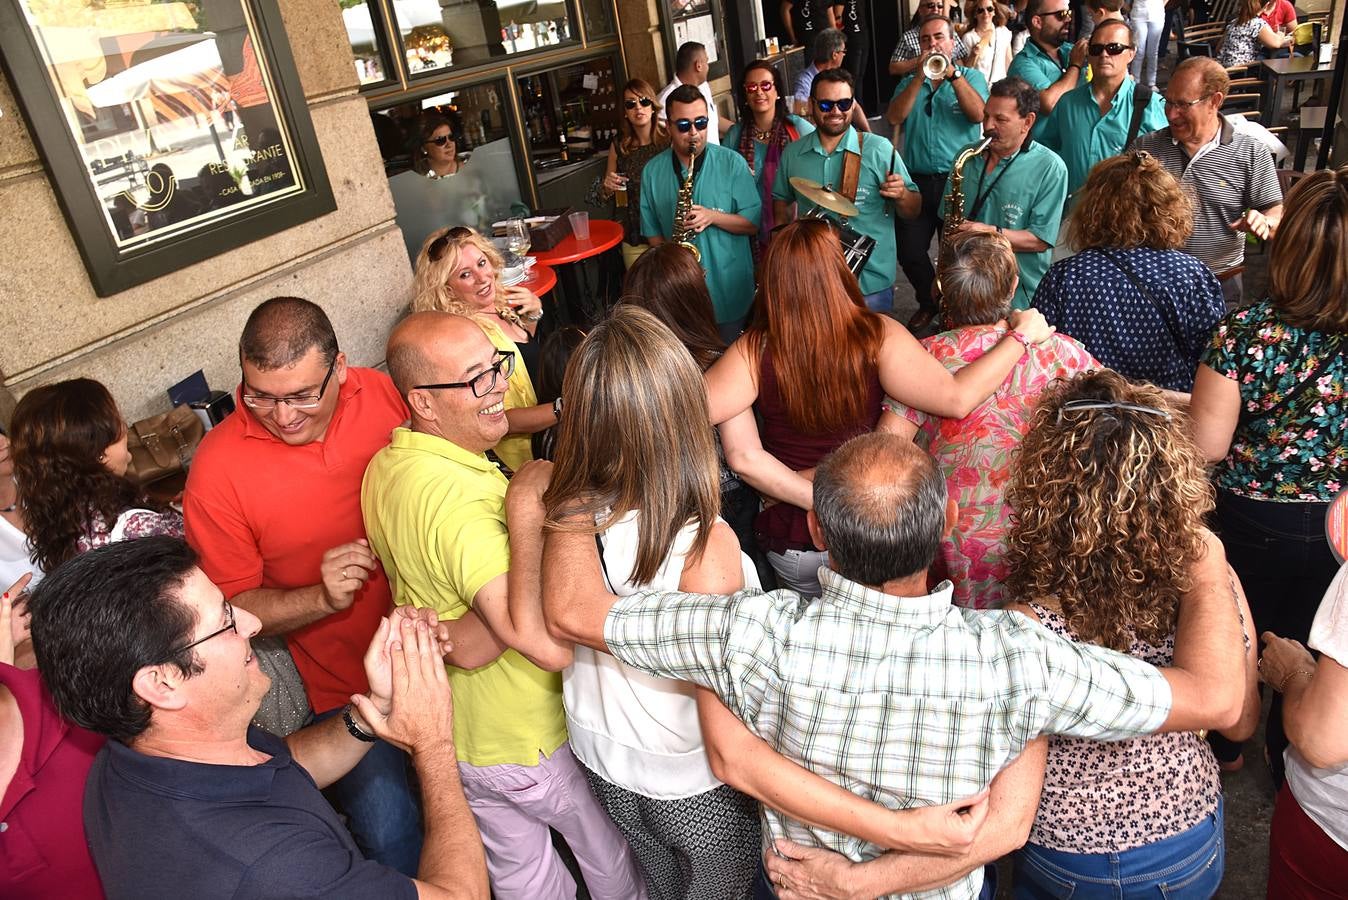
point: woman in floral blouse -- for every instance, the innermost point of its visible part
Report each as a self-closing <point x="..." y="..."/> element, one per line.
<point x="975" y="452"/>
<point x="1270" y="409"/>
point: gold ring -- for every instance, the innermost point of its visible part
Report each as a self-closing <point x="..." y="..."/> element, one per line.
<point x="344" y="573"/>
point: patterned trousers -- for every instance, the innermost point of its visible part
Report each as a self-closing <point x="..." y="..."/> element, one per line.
<point x="704" y="847"/>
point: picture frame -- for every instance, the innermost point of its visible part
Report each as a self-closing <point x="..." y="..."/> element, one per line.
<point x="171" y="132"/>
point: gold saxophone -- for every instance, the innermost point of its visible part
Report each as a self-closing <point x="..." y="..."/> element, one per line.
<point x="683" y="235"/>
<point x="954" y="207"/>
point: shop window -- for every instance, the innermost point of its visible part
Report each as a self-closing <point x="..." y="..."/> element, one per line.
<point x="365" y="31"/>
<point x="440" y="34"/>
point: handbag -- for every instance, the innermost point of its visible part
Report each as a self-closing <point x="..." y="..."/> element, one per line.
<point x="163" y="445"/>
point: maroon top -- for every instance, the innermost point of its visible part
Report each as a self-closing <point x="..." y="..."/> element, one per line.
<point x="43" y="853"/>
<point x="782" y="526"/>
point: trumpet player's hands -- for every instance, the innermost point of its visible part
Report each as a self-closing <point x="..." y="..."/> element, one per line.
<point x="923" y="68"/>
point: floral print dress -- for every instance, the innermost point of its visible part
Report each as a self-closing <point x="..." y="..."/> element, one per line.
<point x="1283" y="452"/>
<point x="975" y="453"/>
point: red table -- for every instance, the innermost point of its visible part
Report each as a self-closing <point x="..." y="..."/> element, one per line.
<point x="541" y="279"/>
<point x="577" y="300"/>
<point x="604" y="235"/>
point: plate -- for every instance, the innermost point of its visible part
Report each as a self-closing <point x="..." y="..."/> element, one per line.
<point x="530" y="261"/>
<point x="512" y="277"/>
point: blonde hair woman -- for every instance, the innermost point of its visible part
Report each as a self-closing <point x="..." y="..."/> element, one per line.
<point x="459" y="271"/>
<point x="987" y="37"/>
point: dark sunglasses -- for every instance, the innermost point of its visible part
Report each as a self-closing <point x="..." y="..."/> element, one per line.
<point x="754" y="87"/>
<point x="1113" y="48"/>
<point x="1062" y="15"/>
<point x="844" y="105"/>
<point x="985" y="9"/>
<point x="437" y="247"/>
<point x="687" y="125"/>
<point x="441" y="140"/>
<point x="646" y="102"/>
<point x="484" y="382"/>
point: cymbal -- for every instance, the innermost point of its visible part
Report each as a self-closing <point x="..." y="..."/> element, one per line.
<point x="819" y="195"/>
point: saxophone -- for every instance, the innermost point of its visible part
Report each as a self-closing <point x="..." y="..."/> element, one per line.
<point x="683" y="235"/>
<point x="954" y="209"/>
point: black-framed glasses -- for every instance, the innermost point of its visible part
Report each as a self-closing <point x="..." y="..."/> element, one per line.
<point x="441" y="140"/>
<point x="303" y="401"/>
<point x="1073" y="406"/>
<point x="230" y="625"/>
<point x="1113" y="48"/>
<point x="687" y="125"/>
<point x="844" y="105"/>
<point x="644" y="102"/>
<point x="437" y="247"/>
<point x="484" y="382"/>
<point x="1062" y="15"/>
<point x="1184" y="104"/>
<point x="753" y="87"/>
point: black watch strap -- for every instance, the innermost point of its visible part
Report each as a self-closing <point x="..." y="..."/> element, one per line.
<point x="349" y="721"/>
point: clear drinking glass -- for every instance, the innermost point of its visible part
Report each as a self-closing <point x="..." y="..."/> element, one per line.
<point x="517" y="239"/>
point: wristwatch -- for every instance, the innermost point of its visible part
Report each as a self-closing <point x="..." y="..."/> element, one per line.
<point x="955" y="73"/>
<point x="355" y="729"/>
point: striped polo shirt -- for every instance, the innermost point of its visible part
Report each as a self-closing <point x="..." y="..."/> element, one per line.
<point x="1235" y="175"/>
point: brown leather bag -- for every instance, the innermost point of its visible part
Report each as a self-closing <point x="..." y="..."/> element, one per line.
<point x="163" y="445"/>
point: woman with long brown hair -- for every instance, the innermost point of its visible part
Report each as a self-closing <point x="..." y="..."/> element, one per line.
<point x="763" y="131"/>
<point x="816" y="364"/>
<point x="1248" y="36"/>
<point x="1270" y="411"/>
<point x="642" y="136"/>
<point x="459" y="271"/>
<point x="1109" y="493"/>
<point x="70" y="462"/>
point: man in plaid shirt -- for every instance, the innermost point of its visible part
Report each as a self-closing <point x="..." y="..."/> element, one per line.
<point x="886" y="688"/>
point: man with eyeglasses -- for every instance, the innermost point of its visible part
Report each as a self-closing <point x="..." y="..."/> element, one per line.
<point x="725" y="210"/>
<point x="938" y="117"/>
<point x="1229" y="175"/>
<point x="187" y="798"/>
<point x="1048" y="62"/>
<point x="1103" y="117"/>
<point x="272" y="505"/>
<point x="434" y="504"/>
<point x="691" y="65"/>
<point x="1018" y="186"/>
<point x="864" y="167"/>
<point x="907" y="55"/>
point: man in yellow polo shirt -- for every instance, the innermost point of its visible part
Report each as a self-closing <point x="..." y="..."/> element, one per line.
<point x="434" y="508"/>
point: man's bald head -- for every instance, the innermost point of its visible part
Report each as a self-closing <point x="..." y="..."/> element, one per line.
<point x="282" y="330"/>
<point x="881" y="505"/>
<point x="422" y="344"/>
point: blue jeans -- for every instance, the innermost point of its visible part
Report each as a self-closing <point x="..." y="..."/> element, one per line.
<point x="880" y="301"/>
<point x="1187" y="865"/>
<point x="381" y="811"/>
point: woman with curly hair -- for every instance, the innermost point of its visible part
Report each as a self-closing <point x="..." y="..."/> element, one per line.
<point x="70" y="462"/>
<point x="1140" y="304"/>
<point x="641" y="136"/>
<point x="459" y="271"/>
<point x="1109" y="493"/>
<point x="1270" y="411"/>
<point x="817" y="372"/>
<point x="763" y="131"/>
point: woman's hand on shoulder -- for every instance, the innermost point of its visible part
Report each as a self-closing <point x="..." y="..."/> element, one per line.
<point x="1031" y="325"/>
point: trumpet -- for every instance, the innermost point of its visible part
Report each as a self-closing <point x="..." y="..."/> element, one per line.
<point x="935" y="67"/>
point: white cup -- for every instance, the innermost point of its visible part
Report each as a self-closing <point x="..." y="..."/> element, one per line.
<point x="580" y="225"/>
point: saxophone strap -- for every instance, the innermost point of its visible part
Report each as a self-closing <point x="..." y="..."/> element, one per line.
<point x="981" y="196"/>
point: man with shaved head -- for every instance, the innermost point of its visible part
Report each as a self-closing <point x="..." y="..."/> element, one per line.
<point x="883" y="686"/>
<point x="434" y="503"/>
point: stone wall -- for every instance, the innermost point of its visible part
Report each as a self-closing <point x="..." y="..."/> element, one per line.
<point x="142" y="340"/>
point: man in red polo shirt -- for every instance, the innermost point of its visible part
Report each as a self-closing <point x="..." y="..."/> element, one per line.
<point x="273" y="509"/>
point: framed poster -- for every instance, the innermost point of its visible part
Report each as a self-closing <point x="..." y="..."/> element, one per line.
<point x="172" y="131"/>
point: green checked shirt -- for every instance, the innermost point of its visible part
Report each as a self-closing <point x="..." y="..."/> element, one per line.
<point x="907" y="701"/>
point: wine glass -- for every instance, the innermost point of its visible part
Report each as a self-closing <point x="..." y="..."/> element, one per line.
<point x="517" y="239"/>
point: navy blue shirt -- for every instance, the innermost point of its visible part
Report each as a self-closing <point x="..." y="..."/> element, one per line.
<point x="171" y="828"/>
<point x="1089" y="298"/>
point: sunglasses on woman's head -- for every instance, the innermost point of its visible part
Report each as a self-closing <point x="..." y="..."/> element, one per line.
<point x="686" y="125"/>
<point x="645" y="102"/>
<point x="1113" y="48"/>
<point x="441" y="140"/>
<point x="437" y="247"/>
<point x="844" y="105"/>
<point x="753" y="87"/>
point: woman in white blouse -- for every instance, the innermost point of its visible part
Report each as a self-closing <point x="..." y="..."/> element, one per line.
<point x="988" y="38"/>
